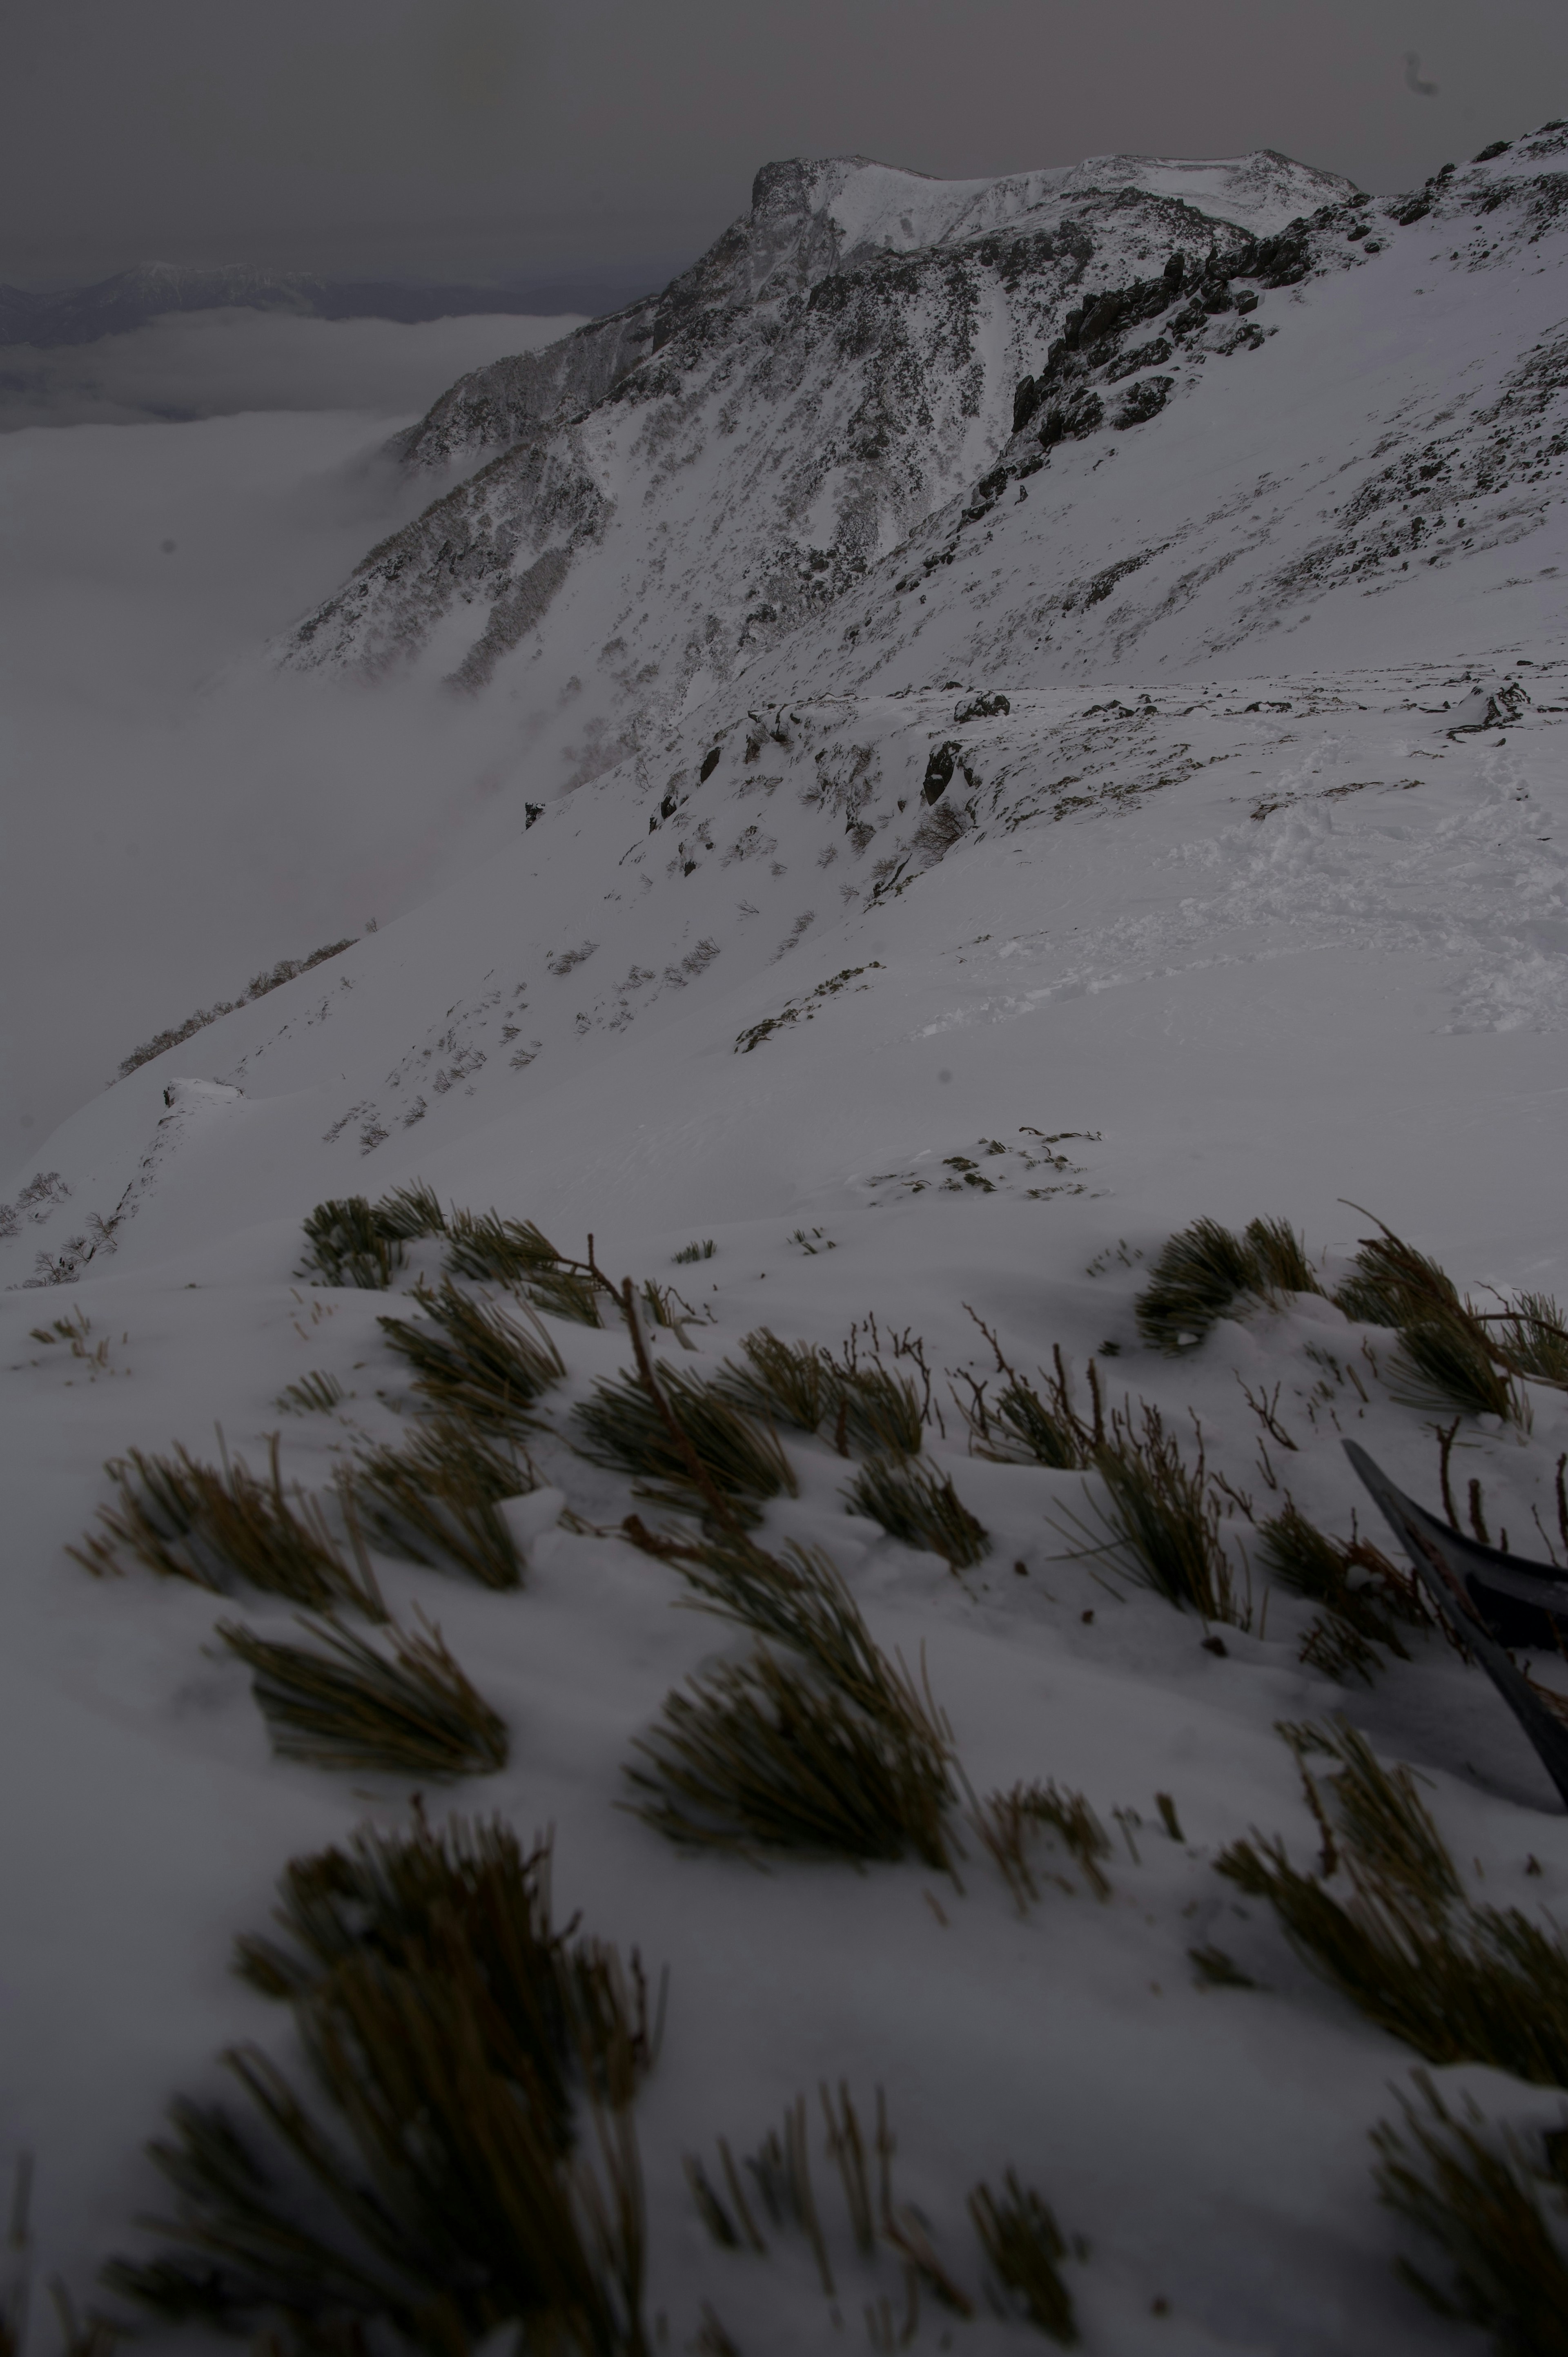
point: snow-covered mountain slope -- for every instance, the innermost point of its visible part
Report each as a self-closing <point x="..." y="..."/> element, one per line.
<point x="1172" y="822"/>
<point x="695" y="479"/>
<point x="1235" y="428"/>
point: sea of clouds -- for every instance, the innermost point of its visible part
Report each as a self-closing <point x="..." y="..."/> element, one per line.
<point x="178" y="813"/>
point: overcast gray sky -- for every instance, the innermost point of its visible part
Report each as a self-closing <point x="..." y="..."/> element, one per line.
<point x="455" y="138"/>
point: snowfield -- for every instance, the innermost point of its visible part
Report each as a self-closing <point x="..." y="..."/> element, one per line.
<point x="948" y="825"/>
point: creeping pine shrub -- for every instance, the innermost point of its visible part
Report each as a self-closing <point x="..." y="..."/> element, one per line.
<point x="1204" y="1270"/>
<point x="1532" y="1337"/>
<point x="1025" y="2247"/>
<point x="473" y="1359"/>
<point x="822" y="1746"/>
<point x="624" y="1427"/>
<point x="763" y="1754"/>
<point x="345" y="1245"/>
<point x="1020" y="1427"/>
<point x="1495" y="2208"/>
<point x="315" y="1395"/>
<point x="1359" y="1617"/>
<point x="771" y="2196"/>
<point x="435" y="1501"/>
<point x="354" y="1242"/>
<point x="425" y="2187"/>
<point x="483" y="1246"/>
<point x="342" y="1704"/>
<point x="794" y="1383"/>
<point x="1007" y="1824"/>
<point x="1457" y="1982"/>
<point x="782" y="2194"/>
<point x="1161" y="1519"/>
<point x="782" y="2198"/>
<point x="567" y="1291"/>
<point x="396" y="1896"/>
<point x="1445" y="1358"/>
<point x="800" y="1385"/>
<point x="914" y="1503"/>
<point x="189" y="1520"/>
<point x="260" y="984"/>
<point x="878" y="1411"/>
<point x="411" y="1212"/>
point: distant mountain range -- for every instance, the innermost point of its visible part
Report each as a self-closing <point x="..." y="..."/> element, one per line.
<point x="114" y="306"/>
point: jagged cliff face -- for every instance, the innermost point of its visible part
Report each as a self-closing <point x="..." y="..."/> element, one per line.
<point x="681" y="487"/>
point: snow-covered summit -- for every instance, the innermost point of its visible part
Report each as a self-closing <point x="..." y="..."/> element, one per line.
<point x="831" y="403"/>
<point x="810" y="217"/>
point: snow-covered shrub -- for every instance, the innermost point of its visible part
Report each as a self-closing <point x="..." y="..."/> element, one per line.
<point x="916" y="1503"/>
<point x="836" y="1749"/>
<point x="1459" y="1983"/>
<point x="451" y="2033"/>
<point x="272" y="978"/>
<point x="1359" y="1619"/>
<point x="1494" y="2210"/>
<point x="346" y="1244"/>
<point x="484" y="1246"/>
<point x="434" y="1501"/>
<point x="1007" y="1823"/>
<point x="1533" y="1335"/>
<point x="1161" y="1516"/>
<point x="411" y="1212"/>
<point x="1020" y="1427"/>
<point x="794" y="1382"/>
<point x="565" y="1290"/>
<point x="215" y="1527"/>
<point x="476" y="1361"/>
<point x="1025" y="2247"/>
<point x="682" y="1440"/>
<point x="1445" y="1358"/>
<point x="344" y="1704"/>
<point x="1205" y="1269"/>
<point x="765" y="1754"/>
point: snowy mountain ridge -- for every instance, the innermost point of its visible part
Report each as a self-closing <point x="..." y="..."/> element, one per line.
<point x="697" y="481"/>
<point x="810" y="219"/>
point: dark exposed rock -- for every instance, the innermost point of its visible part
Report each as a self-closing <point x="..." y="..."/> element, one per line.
<point x="1144" y="401"/>
<point x="940" y="772"/>
<point x="1280" y="260"/>
<point x="1025" y="401"/>
<point x="1497" y="147"/>
<point x="1141" y="356"/>
<point x="977" y="707"/>
<point x="1071" y="420"/>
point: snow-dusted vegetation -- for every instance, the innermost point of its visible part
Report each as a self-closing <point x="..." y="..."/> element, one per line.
<point x="692" y="1660"/>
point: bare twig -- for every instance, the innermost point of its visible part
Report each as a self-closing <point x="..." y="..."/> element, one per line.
<point x="1265" y="1407"/>
<point x="1446" y="1435"/>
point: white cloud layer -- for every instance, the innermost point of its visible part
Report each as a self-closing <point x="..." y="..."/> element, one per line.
<point x="217" y="363"/>
<point x="178" y="814"/>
